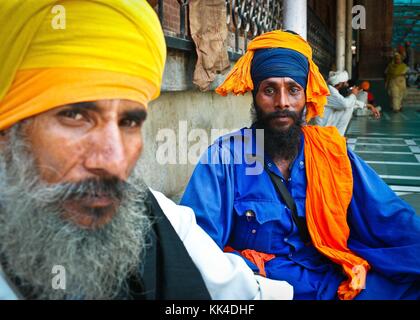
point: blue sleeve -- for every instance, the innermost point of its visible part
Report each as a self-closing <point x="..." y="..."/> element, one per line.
<point x="210" y="193"/>
<point x="384" y="229"/>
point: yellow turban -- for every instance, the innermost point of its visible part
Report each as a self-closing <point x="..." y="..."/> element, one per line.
<point x="239" y="79"/>
<point x="55" y="52"/>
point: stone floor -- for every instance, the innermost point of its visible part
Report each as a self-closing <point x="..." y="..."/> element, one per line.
<point x="391" y="146"/>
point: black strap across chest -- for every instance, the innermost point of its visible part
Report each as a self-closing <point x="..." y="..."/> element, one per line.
<point x="290" y="203"/>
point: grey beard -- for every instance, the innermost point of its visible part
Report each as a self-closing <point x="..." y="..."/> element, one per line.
<point x="34" y="238"/>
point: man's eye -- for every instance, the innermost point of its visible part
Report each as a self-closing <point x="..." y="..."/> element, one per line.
<point x="294" y="90"/>
<point x="130" y="123"/>
<point x="73" y="114"/>
<point x="269" y="90"/>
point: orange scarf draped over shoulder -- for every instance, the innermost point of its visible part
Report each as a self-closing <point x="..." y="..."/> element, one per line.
<point x="329" y="192"/>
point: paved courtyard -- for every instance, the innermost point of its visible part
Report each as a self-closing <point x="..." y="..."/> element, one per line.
<point x="391" y="146"/>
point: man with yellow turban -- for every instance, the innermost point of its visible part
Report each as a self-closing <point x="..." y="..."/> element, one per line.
<point x="292" y="199"/>
<point x="76" y="220"/>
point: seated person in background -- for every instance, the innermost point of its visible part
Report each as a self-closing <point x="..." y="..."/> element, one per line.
<point x="368" y="99"/>
<point x="339" y="109"/>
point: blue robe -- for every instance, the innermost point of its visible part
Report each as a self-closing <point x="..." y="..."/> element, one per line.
<point x="237" y="205"/>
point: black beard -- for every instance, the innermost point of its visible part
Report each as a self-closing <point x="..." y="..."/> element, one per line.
<point x="344" y="91"/>
<point x="278" y="144"/>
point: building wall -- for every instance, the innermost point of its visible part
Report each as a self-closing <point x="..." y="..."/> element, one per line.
<point x="375" y="40"/>
<point x="326" y="10"/>
<point x="171" y="16"/>
<point x="171" y="9"/>
<point x="320" y="36"/>
<point x="181" y="112"/>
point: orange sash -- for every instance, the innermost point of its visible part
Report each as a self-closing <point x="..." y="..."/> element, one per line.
<point x="257" y="258"/>
<point x="328" y="165"/>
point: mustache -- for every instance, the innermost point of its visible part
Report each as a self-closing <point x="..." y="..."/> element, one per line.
<point x="281" y="113"/>
<point x="112" y="187"/>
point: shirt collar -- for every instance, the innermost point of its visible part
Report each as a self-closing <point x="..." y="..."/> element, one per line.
<point x="253" y="149"/>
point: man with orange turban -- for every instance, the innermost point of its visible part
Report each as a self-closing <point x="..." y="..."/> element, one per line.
<point x="292" y="199"/>
<point x="76" y="220"/>
<point x="339" y="109"/>
<point x="366" y="97"/>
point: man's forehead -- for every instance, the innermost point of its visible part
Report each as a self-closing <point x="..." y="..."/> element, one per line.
<point x="112" y="105"/>
<point x="280" y="80"/>
<point x="107" y="104"/>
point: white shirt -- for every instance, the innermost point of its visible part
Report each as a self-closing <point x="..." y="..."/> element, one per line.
<point x="363" y="97"/>
<point x="226" y="275"/>
<point x="336" y="102"/>
<point x="6" y="292"/>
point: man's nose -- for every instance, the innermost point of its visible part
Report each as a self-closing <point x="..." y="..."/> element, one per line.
<point x="106" y="153"/>
<point x="282" y="100"/>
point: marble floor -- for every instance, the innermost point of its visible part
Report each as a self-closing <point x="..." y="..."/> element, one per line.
<point x="391" y="146"/>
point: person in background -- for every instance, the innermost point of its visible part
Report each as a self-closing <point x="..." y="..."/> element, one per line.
<point x="368" y="99"/>
<point x="339" y="109"/>
<point x="395" y="82"/>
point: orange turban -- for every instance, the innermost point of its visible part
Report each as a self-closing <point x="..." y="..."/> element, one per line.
<point x="239" y="78"/>
<point x="365" y="85"/>
<point x="56" y="52"/>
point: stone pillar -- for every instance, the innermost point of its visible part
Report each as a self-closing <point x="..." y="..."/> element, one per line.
<point x="341" y="35"/>
<point x="349" y="37"/>
<point x="295" y="16"/>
